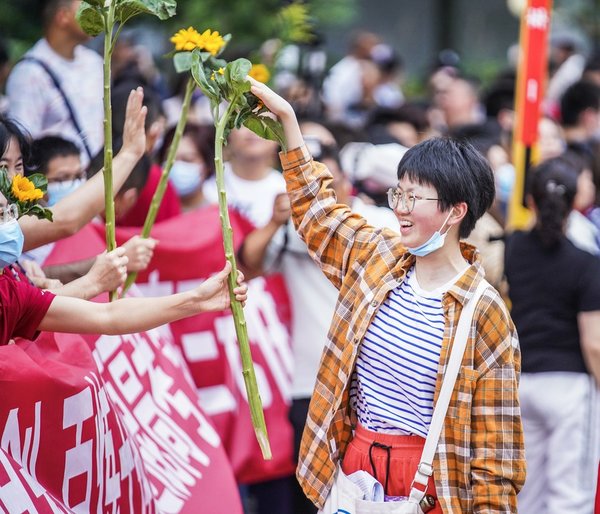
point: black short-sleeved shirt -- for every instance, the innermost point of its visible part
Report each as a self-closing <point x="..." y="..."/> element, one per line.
<point x="548" y="289"/>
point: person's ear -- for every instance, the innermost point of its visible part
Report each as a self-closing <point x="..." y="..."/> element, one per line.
<point x="124" y="201"/>
<point x="459" y="211"/>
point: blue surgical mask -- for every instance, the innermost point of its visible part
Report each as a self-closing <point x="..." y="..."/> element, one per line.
<point x="11" y="243"/>
<point x="186" y="177"/>
<point x="505" y="182"/>
<point x="435" y="242"/>
<point x="58" y="190"/>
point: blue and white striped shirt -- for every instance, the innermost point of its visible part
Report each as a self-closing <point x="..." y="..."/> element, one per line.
<point x="394" y="381"/>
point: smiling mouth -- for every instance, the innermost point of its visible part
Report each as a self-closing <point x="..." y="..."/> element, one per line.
<point x="405" y="223"/>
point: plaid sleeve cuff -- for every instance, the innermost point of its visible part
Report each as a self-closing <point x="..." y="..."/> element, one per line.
<point x="294" y="158"/>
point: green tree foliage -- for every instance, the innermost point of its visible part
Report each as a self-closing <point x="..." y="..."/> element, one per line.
<point x="254" y="21"/>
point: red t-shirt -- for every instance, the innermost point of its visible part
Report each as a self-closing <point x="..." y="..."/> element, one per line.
<point x="169" y="207"/>
<point x="22" y="307"/>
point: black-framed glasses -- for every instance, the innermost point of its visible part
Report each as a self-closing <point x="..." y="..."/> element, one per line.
<point x="407" y="200"/>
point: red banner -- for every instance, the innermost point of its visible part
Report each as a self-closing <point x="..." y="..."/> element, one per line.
<point x="534" y="67"/>
<point x="530" y="90"/>
<point x="117" y="431"/>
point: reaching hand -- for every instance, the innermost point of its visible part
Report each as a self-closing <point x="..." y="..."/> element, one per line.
<point x="275" y="103"/>
<point x="281" y="209"/>
<point x="282" y="109"/>
<point x="109" y="270"/>
<point x="139" y="251"/>
<point x="213" y="293"/>
<point x="134" y="132"/>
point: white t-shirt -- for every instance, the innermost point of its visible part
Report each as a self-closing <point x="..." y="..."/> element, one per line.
<point x="253" y="198"/>
<point x="394" y="380"/>
<point x="36" y="103"/>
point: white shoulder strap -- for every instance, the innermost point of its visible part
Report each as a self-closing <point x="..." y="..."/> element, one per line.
<point x="425" y="469"/>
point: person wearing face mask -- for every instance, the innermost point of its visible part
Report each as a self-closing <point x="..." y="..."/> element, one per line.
<point x="194" y="163"/>
<point x="58" y="159"/>
<point x="26" y="309"/>
<point x="400" y="299"/>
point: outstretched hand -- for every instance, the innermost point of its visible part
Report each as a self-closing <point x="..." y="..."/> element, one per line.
<point x="134" y="132"/>
<point x="214" y="293"/>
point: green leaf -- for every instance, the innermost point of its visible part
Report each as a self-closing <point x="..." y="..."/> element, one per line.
<point x="266" y="128"/>
<point x="207" y="86"/>
<point x="90" y="19"/>
<point x="275" y="131"/>
<point x="241" y="117"/>
<point x="39" y="181"/>
<point x="238" y="71"/>
<point x="182" y="61"/>
<point x="38" y="211"/>
<point x="127" y="9"/>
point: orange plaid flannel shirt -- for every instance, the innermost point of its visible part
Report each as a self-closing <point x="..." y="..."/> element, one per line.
<point x="480" y="461"/>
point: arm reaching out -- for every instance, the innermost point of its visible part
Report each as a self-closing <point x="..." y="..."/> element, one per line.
<point x="107" y="273"/>
<point x="79" y="208"/>
<point x="130" y="315"/>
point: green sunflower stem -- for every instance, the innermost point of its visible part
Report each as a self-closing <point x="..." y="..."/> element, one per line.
<point x="111" y="244"/>
<point x="164" y="178"/>
<point x="256" y="410"/>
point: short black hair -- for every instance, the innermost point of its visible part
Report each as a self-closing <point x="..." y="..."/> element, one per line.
<point x="10" y="128"/>
<point x="499" y="96"/>
<point x="46" y="148"/>
<point x="457" y="171"/>
<point x="50" y="8"/>
<point x="577" y="98"/>
<point x="203" y="137"/>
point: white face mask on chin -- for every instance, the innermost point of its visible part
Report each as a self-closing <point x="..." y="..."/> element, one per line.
<point x="435" y="242"/>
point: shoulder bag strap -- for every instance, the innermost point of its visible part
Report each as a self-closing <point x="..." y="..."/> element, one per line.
<point x="425" y="469"/>
<point x="68" y="105"/>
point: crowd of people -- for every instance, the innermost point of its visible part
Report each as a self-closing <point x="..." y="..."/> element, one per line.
<point x="386" y="217"/>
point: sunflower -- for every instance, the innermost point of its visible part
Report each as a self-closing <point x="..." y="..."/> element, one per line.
<point x="187" y="40"/>
<point x="24" y="189"/>
<point x="212" y="42"/>
<point x="260" y="72"/>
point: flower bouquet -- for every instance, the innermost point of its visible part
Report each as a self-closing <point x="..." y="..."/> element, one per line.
<point x="25" y="193"/>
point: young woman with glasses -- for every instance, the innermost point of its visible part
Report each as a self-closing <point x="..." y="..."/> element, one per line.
<point x="400" y="298"/>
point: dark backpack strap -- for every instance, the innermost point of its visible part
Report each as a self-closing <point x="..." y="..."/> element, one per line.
<point x="68" y="105"/>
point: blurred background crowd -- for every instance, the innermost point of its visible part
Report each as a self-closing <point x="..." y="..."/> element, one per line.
<point x="368" y="80"/>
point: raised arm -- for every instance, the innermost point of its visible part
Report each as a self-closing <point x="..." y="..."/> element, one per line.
<point x="138" y="314"/>
<point x="334" y="236"/>
<point x="81" y="206"/>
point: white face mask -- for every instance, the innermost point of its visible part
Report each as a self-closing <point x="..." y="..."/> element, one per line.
<point x="435" y="242"/>
<point x="186" y="177"/>
<point x="58" y="190"/>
